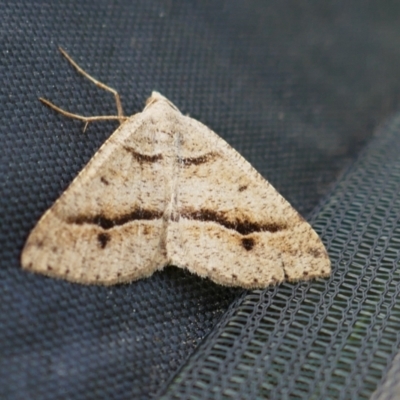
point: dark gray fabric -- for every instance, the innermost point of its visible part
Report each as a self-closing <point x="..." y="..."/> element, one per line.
<point x="296" y="88"/>
<point x="327" y="339"/>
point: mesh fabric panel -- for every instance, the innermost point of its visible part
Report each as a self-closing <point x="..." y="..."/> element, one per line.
<point x="296" y="88"/>
<point x="390" y="387"/>
<point x="328" y="339"/>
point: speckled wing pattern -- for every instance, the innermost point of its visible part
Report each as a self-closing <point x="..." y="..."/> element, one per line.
<point x="166" y="190"/>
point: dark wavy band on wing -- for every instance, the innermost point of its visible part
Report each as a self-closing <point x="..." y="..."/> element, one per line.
<point x="203" y="159"/>
<point x="143" y="158"/>
<point x="108" y="223"/>
<point x="241" y="226"/>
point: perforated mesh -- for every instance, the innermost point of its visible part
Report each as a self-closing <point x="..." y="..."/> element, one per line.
<point x="329" y="339"/>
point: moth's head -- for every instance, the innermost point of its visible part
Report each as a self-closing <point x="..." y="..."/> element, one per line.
<point x="157" y="97"/>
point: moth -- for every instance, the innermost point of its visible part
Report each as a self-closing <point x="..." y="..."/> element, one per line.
<point x="166" y="190"/>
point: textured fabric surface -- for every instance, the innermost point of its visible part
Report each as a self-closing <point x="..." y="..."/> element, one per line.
<point x="328" y="339"/>
<point x="296" y="89"/>
<point x="390" y="386"/>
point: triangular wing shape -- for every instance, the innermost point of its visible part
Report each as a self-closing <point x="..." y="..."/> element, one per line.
<point x="109" y="225"/>
<point x="233" y="226"/>
<point x="165" y="189"/>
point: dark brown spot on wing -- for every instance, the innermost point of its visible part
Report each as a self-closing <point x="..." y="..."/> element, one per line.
<point x="241" y="226"/>
<point x="103" y="239"/>
<point x="242" y="188"/>
<point x="317" y="253"/>
<point x="108" y="223"/>
<point x="203" y="159"/>
<point x="49" y="268"/>
<point x="248" y="243"/>
<point x="143" y="158"/>
<point x="104" y="180"/>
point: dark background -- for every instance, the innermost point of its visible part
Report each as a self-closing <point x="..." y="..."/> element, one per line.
<point x="298" y="88"/>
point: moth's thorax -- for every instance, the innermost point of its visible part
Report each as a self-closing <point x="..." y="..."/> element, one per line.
<point x="157" y="97"/>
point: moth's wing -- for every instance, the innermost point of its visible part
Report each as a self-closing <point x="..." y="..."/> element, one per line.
<point x="108" y="226"/>
<point x="233" y="226"/>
